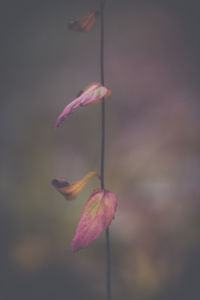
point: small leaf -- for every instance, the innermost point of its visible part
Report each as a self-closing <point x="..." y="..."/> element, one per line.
<point x="86" y="23"/>
<point x="70" y="191"/>
<point x="94" y="93"/>
<point x="96" y="217"/>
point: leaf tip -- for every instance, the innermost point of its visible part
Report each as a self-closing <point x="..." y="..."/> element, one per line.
<point x="57" y="184"/>
<point x="59" y="121"/>
<point x="73" y="247"/>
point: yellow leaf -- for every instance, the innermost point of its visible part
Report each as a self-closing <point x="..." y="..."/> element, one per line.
<point x="70" y="191"/>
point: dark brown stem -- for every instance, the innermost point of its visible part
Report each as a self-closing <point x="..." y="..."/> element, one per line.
<point x="108" y="264"/>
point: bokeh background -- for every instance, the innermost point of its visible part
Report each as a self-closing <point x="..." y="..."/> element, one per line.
<point x="152" y="149"/>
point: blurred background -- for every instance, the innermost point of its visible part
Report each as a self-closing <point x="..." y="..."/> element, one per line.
<point x="152" y="149"/>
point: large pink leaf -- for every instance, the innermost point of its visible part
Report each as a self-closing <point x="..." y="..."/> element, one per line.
<point x="95" y="92"/>
<point x="96" y="217"/>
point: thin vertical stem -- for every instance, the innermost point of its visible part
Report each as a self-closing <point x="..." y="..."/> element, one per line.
<point x="108" y="275"/>
<point x="107" y="234"/>
<point x="102" y="4"/>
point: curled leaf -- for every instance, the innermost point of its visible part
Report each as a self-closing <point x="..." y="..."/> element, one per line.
<point x="96" y="217"/>
<point x="70" y="191"/>
<point x="86" y="23"/>
<point x="94" y="93"/>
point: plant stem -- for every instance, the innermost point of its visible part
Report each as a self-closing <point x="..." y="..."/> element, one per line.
<point x="107" y="234"/>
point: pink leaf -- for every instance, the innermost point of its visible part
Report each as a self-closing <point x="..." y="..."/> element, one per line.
<point x="96" y="217"/>
<point x="94" y="93"/>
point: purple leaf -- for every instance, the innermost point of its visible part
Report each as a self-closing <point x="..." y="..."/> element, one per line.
<point x="96" y="217"/>
<point x="94" y="93"/>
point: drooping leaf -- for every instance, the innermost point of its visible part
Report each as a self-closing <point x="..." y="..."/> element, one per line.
<point x="70" y="191"/>
<point x="86" y="23"/>
<point x="96" y="217"/>
<point x="94" y="93"/>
